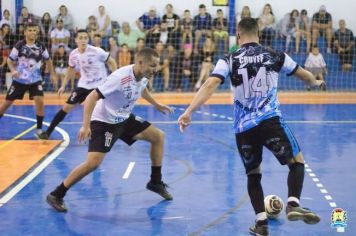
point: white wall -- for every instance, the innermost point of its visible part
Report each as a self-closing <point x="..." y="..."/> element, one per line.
<point x="130" y="10"/>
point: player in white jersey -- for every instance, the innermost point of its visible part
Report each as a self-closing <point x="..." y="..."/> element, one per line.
<point x="253" y="71"/>
<point x="25" y="62"/>
<point x="108" y="117"/>
<point x="91" y="62"/>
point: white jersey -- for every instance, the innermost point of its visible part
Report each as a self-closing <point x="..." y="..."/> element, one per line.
<point x="91" y="64"/>
<point x="119" y="94"/>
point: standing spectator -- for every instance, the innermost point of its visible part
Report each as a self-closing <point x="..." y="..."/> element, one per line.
<point x="315" y="63"/>
<point x="25" y="62"/>
<point x="149" y="24"/>
<point x="6" y="19"/>
<point x="26" y="17"/>
<point x="104" y="22"/>
<point x="303" y="31"/>
<point x="202" y="24"/>
<point x="60" y="63"/>
<point x="289" y="28"/>
<point x="344" y="43"/>
<point x="60" y="36"/>
<point x="220" y="29"/>
<point x="322" y="25"/>
<point x="266" y="26"/>
<point x="66" y="18"/>
<point x="46" y="26"/>
<point x="129" y="36"/>
<point x="172" y="20"/>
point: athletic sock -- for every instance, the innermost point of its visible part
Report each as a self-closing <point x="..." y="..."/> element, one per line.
<point x="60" y="191"/>
<point x="255" y="192"/>
<point x="1" y="115"/>
<point x="156" y="175"/>
<point x="56" y="120"/>
<point x="39" y="121"/>
<point x="295" y="182"/>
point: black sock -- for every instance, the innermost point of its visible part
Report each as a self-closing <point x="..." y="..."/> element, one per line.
<point x="295" y="180"/>
<point x="255" y="192"/>
<point x="39" y="121"/>
<point x="60" y="191"/>
<point x="1" y="115"/>
<point x="56" y="120"/>
<point x="156" y="175"/>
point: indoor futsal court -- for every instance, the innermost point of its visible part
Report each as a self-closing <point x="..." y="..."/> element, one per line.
<point x="201" y="166"/>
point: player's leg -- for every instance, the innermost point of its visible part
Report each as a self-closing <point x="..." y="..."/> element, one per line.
<point x="280" y="140"/>
<point x="250" y="149"/>
<point x="16" y="91"/>
<point x="36" y="92"/>
<point x="4" y="106"/>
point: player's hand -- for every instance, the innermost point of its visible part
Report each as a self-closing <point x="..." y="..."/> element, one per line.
<point x="15" y="74"/>
<point x="184" y="120"/>
<point x="84" y="134"/>
<point x="61" y="90"/>
<point x="165" y="109"/>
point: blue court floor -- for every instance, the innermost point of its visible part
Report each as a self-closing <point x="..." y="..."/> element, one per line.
<point x="203" y="169"/>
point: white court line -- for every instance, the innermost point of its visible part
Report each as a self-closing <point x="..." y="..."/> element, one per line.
<point x="17" y="188"/>
<point x="128" y="170"/>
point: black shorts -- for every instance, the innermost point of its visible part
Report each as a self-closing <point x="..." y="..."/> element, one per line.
<point x="104" y="135"/>
<point x="272" y="133"/>
<point x="78" y="95"/>
<point x="18" y="90"/>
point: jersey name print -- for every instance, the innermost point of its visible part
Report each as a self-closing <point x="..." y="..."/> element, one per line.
<point x="253" y="71"/>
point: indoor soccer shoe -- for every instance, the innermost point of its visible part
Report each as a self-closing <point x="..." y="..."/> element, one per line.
<point x="42" y="135"/>
<point x="260" y="228"/>
<point x="56" y="203"/>
<point x="160" y="188"/>
<point x="300" y="213"/>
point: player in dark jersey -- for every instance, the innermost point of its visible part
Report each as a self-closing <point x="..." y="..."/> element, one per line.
<point x="253" y="71"/>
<point x="25" y="62"/>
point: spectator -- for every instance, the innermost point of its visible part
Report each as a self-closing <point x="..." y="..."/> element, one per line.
<point x="104" y="22"/>
<point x="6" y="19"/>
<point x="129" y="36"/>
<point x="303" y="31"/>
<point x="140" y="44"/>
<point x="344" y="43"/>
<point x="97" y="41"/>
<point x="202" y="26"/>
<point x="220" y="29"/>
<point x="26" y="18"/>
<point x="172" y="20"/>
<point x="149" y="24"/>
<point x="207" y="57"/>
<point x="113" y="48"/>
<point x="289" y="28"/>
<point x="185" y="68"/>
<point x="315" y="63"/>
<point x="322" y="25"/>
<point x="92" y="27"/>
<point x="6" y="39"/>
<point x="266" y="26"/>
<point x="124" y="56"/>
<point x="60" y="36"/>
<point x="46" y="27"/>
<point x="186" y="29"/>
<point x="163" y="67"/>
<point x="60" y="63"/>
<point x="66" y="18"/>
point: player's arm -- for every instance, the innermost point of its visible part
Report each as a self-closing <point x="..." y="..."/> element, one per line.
<point x="111" y="64"/>
<point x="89" y="104"/>
<point x="49" y="65"/>
<point x="307" y="77"/>
<point x="12" y="66"/>
<point x="161" y="107"/>
<point x="70" y="74"/>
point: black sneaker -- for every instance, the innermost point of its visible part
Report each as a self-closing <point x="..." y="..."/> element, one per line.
<point x="42" y="135"/>
<point x="159" y="188"/>
<point x="56" y="203"/>
<point x="260" y="228"/>
<point x="300" y="213"/>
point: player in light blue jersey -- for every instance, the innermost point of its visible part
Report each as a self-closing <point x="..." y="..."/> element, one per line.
<point x="253" y="71"/>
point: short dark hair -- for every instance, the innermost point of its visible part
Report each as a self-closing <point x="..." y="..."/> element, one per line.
<point x="202" y="6"/>
<point x="29" y="25"/>
<point x="248" y="26"/>
<point x="147" y="53"/>
<point x="304" y="12"/>
<point x="81" y="31"/>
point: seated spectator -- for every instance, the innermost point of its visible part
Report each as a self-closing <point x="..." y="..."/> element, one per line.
<point x="140" y="44"/>
<point x="124" y="56"/>
<point x="60" y="36"/>
<point x="104" y="22"/>
<point x="207" y="58"/>
<point x="26" y="17"/>
<point x="163" y="67"/>
<point x="60" y="64"/>
<point x="303" y="31"/>
<point x="220" y="29"/>
<point x="46" y="27"/>
<point x="172" y="20"/>
<point x="266" y="26"/>
<point x="315" y="63"/>
<point x="6" y="39"/>
<point x="202" y="26"/>
<point x="3" y="69"/>
<point x="322" y="25"/>
<point x="92" y="27"/>
<point x="186" y="25"/>
<point x="289" y="28"/>
<point x="185" y="68"/>
<point x="6" y="19"/>
<point x="97" y="41"/>
<point x="344" y="44"/>
<point x="129" y="36"/>
<point x="113" y="48"/>
<point x="149" y="24"/>
<point x="66" y="18"/>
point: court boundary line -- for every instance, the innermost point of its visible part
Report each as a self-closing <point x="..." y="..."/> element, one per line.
<point x="17" y="136"/>
<point x="36" y="171"/>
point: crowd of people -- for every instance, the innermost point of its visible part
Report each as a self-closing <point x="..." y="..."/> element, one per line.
<point x="188" y="45"/>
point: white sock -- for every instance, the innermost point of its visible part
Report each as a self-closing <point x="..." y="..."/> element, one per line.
<point x="293" y="199"/>
<point x="261" y="216"/>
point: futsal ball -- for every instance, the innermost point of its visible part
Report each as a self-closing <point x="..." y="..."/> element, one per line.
<point x="274" y="206"/>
